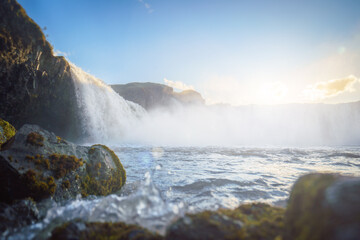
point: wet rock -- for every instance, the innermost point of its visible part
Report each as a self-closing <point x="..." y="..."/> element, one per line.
<point x="7" y="131"/>
<point x="36" y="86"/>
<point x="84" y="230"/>
<point x="39" y="164"/>
<point x="18" y="215"/>
<point x="324" y="206"/>
<point x="205" y="225"/>
<point x="249" y="221"/>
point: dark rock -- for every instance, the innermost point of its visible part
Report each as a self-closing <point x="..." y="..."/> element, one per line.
<point x="153" y="95"/>
<point x="39" y="164"/>
<point x="249" y="221"/>
<point x="35" y="86"/>
<point x="20" y="214"/>
<point x="205" y="225"/>
<point x="324" y="206"/>
<point x="84" y="230"/>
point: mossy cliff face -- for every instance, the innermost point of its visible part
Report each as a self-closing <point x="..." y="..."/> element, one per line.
<point x="39" y="164"/>
<point x="82" y="230"/>
<point x="7" y="131"/>
<point x="36" y="87"/>
<point x="324" y="206"/>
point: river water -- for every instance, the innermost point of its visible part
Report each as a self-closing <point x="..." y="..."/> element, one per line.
<point x="163" y="183"/>
<point x="212" y="177"/>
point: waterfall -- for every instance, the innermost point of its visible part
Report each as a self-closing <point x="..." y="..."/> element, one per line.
<point x="105" y="115"/>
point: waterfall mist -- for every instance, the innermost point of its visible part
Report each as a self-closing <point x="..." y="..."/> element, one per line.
<point x="107" y="117"/>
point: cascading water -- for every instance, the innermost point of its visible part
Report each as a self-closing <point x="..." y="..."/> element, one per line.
<point x="105" y="114"/>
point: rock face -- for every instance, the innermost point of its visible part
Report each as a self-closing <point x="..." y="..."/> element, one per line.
<point x="35" y="86"/>
<point x="249" y="221"/>
<point x="82" y="230"/>
<point x="39" y="164"/>
<point x="18" y="215"/>
<point x="324" y="206"/>
<point x="7" y="131"/>
<point x="153" y="95"/>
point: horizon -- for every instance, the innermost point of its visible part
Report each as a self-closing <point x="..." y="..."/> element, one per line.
<point x="234" y="52"/>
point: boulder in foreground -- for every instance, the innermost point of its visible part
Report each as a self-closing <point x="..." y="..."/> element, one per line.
<point x="324" y="206"/>
<point x="82" y="230"/>
<point x="38" y="164"/>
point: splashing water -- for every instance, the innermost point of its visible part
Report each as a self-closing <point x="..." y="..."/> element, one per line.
<point x="105" y="114"/>
<point x="144" y="207"/>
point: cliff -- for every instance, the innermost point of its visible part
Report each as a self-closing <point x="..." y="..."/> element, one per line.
<point x="152" y="95"/>
<point x="35" y="86"/>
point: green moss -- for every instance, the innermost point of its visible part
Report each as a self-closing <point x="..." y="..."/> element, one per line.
<point x="116" y="160"/>
<point x="102" y="231"/>
<point x="39" y="187"/>
<point x="7" y="131"/>
<point x="60" y="140"/>
<point x="35" y="139"/>
<point x="91" y="185"/>
<point x="63" y="164"/>
<point x="306" y="215"/>
<point x="261" y="221"/>
<point x="40" y="161"/>
<point x="250" y="221"/>
<point x="65" y="184"/>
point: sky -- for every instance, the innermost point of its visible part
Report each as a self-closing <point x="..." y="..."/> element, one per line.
<point x="234" y="52"/>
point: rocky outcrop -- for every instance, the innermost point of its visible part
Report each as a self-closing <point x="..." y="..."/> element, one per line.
<point x="153" y="95"/>
<point x="35" y="86"/>
<point x="20" y="214"/>
<point x="82" y="230"/>
<point x="39" y="164"/>
<point x="7" y="131"/>
<point x="249" y="221"/>
<point x="324" y="206"/>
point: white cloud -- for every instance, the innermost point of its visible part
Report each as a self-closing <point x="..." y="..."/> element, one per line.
<point x="331" y="88"/>
<point x="178" y="85"/>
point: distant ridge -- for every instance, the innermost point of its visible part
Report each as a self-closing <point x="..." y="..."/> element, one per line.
<point x="152" y="95"/>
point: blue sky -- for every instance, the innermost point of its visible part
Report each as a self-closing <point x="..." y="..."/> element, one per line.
<point x="237" y="52"/>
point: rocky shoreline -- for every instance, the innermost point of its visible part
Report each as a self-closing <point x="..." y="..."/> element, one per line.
<point x="37" y="165"/>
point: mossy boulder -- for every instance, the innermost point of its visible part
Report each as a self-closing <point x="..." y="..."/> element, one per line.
<point x="7" y="131"/>
<point x="249" y="221"/>
<point x="39" y="164"/>
<point x="36" y="86"/>
<point x="85" y="230"/>
<point x="324" y="206"/>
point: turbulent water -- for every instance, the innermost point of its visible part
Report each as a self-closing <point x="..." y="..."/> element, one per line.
<point x="165" y="182"/>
